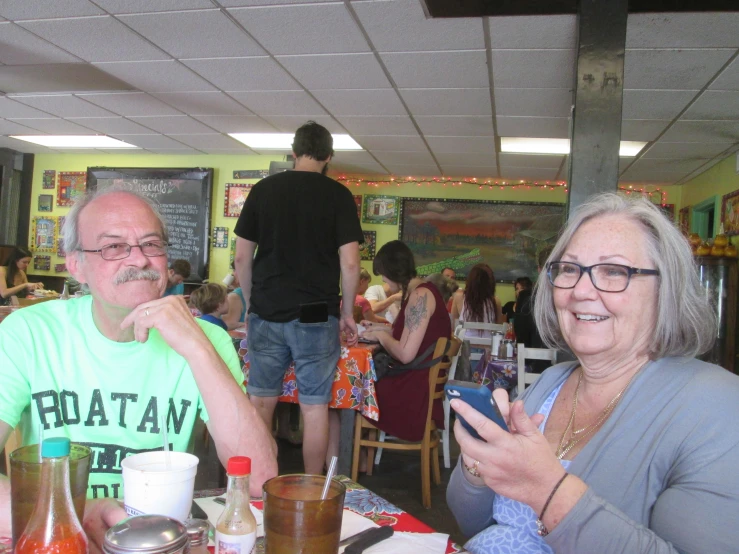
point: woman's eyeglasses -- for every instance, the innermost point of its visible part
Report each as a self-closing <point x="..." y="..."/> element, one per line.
<point x="605" y="277"/>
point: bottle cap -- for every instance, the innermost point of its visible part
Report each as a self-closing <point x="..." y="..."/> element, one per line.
<point x="197" y="530"/>
<point x="55" y="447"/>
<point x="239" y="465"/>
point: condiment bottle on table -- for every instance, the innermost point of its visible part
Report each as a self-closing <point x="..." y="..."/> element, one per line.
<point x="236" y="531"/>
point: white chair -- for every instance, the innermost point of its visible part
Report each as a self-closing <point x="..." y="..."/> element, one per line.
<point x="531" y="354"/>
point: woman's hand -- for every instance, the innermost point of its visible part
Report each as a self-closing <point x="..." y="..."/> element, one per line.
<point x="34" y="286"/>
<point x="376" y="326"/>
<point x="518" y="464"/>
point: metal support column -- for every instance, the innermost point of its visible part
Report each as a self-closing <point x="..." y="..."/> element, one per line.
<point x="596" y="126"/>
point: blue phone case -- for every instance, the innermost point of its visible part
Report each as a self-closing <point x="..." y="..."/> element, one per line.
<point x="480" y="398"/>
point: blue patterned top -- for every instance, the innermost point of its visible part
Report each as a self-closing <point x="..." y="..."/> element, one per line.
<point x="515" y="532"/>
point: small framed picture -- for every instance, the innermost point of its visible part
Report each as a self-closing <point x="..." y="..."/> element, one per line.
<point x="45" y="202"/>
<point x="235" y="197"/>
<point x="220" y="237"/>
<point x="60" y="268"/>
<point x="380" y="209"/>
<point x="42" y="262"/>
<point x="71" y="185"/>
<point x="367" y="250"/>
<point x="48" y="181"/>
<point x="730" y="213"/>
<point x="60" y="241"/>
<point x="44" y="234"/>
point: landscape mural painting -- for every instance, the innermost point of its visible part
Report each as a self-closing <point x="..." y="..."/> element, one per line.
<point x="507" y="236"/>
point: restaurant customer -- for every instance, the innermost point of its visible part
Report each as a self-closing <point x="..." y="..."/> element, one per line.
<point x="632" y="447"/>
<point x="13" y="279"/>
<point x="102" y="369"/>
<point x="210" y="300"/>
<point x="385" y="304"/>
<point x="478" y="303"/>
<point x="235" y="317"/>
<point x="178" y="271"/>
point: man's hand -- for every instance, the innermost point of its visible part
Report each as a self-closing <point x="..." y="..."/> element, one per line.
<point x="349" y="328"/>
<point x="100" y="515"/>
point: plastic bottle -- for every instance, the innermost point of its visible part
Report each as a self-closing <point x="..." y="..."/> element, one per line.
<point x="65" y="292"/>
<point x="236" y="531"/>
<point x="53" y="527"/>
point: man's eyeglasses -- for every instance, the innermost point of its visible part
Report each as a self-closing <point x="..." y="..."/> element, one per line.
<point x="605" y="277"/>
<point x="120" y="250"/>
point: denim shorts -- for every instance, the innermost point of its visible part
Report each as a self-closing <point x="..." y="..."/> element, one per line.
<point x="314" y="347"/>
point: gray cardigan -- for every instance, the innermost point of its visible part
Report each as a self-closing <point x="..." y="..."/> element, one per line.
<point x="663" y="471"/>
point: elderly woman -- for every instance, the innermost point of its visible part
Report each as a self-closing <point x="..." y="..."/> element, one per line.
<point x="13" y="280"/>
<point x="422" y="320"/>
<point x="631" y="448"/>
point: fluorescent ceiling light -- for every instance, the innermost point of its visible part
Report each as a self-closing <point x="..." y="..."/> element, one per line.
<point x="284" y="141"/>
<point x="75" y="141"/>
<point x="520" y="145"/>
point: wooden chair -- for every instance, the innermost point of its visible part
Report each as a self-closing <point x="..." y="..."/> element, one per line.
<point x="429" y="446"/>
<point x="531" y="354"/>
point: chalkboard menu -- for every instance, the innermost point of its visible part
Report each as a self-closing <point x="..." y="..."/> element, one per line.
<point x="184" y="198"/>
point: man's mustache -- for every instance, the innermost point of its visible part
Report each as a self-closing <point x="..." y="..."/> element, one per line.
<point x="135" y="274"/>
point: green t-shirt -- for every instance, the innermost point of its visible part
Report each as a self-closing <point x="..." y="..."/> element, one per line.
<point x="59" y="371"/>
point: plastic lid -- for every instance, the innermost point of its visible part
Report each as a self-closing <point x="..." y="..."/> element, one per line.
<point x="149" y="533"/>
<point x="55" y="447"/>
<point x="239" y="465"/>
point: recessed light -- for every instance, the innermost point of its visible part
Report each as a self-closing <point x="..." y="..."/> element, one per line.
<point x="74" y="141"/>
<point x="521" y="145"/>
<point x="284" y="141"/>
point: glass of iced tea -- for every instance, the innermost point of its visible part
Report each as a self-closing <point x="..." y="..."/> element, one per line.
<point x="296" y="520"/>
<point x="25" y="476"/>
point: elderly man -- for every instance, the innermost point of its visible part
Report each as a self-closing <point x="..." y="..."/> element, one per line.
<point x="103" y="369"/>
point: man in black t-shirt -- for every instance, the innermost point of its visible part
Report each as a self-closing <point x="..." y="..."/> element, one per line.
<point x="308" y="234"/>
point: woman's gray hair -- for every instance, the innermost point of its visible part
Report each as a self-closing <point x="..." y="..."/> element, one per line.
<point x="70" y="230"/>
<point x="685" y="322"/>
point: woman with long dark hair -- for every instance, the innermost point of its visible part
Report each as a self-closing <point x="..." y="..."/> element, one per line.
<point x="13" y="279"/>
<point x="479" y="303"/>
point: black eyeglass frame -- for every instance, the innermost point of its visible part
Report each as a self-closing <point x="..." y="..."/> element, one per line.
<point x="588" y="269"/>
<point x="129" y="247"/>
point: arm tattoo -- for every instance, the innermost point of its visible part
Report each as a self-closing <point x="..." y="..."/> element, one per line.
<point x="416" y="313"/>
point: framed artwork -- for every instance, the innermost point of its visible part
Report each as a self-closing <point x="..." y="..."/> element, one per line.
<point x="220" y="237"/>
<point x="507" y="236"/>
<point x="358" y="202"/>
<point x="42" y="262"/>
<point x="60" y="242"/>
<point x="44" y="234"/>
<point x="730" y="213"/>
<point x="45" y="202"/>
<point x="684" y="220"/>
<point x="367" y="249"/>
<point x="251" y="173"/>
<point x="668" y="210"/>
<point x="236" y="194"/>
<point x="48" y="181"/>
<point x="71" y="185"/>
<point x="380" y="209"/>
<point x="60" y="268"/>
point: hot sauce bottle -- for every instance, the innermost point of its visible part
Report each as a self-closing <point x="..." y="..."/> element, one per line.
<point x="53" y="527"/>
<point x="236" y="531"/>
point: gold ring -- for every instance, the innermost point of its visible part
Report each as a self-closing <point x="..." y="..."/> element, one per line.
<point x="473" y="469"/>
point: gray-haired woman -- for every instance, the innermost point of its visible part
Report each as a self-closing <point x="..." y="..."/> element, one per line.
<point x="633" y="447"/>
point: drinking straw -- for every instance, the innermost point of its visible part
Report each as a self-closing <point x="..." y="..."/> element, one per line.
<point x="165" y="438"/>
<point x="329" y="476"/>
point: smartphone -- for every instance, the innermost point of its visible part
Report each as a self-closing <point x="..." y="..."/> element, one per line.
<point x="480" y="398"/>
<point x="314" y="312"/>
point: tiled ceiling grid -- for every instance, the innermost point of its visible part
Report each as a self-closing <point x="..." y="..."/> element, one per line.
<point x="422" y="96"/>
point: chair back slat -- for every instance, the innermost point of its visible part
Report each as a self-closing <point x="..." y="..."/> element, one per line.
<point x="437" y="379"/>
<point x="481" y="326"/>
<point x="531" y="354"/>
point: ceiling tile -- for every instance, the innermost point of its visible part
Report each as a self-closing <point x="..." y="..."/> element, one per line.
<point x="243" y="3"/>
<point x="361" y="102"/>
<point x="19" y="47"/>
<point x="401" y="26"/>
<point x="539" y="127"/>
<point x="448" y="101"/>
<point x="144" y="6"/>
<point x="112" y="125"/>
<point x="451" y="145"/>
<point x="665" y="165"/>
<point x="678" y="150"/>
<point x="715" y="104"/>
<point x="303" y="29"/>
<point x="528" y="173"/>
<point x="43" y="9"/>
<point x="682" y="30"/>
<point x="409" y="143"/>
<point x="63" y="105"/>
<point x="157" y="76"/>
<point x="95" y="39"/>
<point x="130" y="103"/>
<point x="344" y="156"/>
<point x="11" y="108"/>
<point x="418" y="170"/>
<point x="437" y="69"/>
<point x="465" y="158"/>
<point x="235" y="74"/>
<point x="729" y="78"/>
<point x="408" y="158"/>
<point x="203" y="103"/>
<point x="702" y="131"/>
<point x="25" y="147"/>
<point x="672" y="69"/>
<point x="377" y="125"/>
<point x="540" y="31"/>
<point x="481" y="172"/>
<point x="641" y="129"/>
<point x="173" y="151"/>
<point x="655" y="104"/>
<point x="533" y="68"/>
<point x="210" y="141"/>
<point x="365" y="168"/>
<point x="151" y="141"/>
<point x="210" y="34"/>
<point x="55" y="126"/>
<point x="280" y="102"/>
<point x="456" y="126"/>
<point x="336" y="71"/>
<point x="174" y="124"/>
<point x="289" y="123"/>
<point x="230" y="152"/>
<point x="530" y="160"/>
<point x="237" y="123"/>
<point x="14" y="128"/>
<point x="533" y="102"/>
